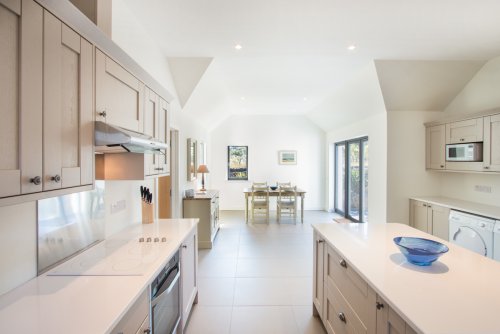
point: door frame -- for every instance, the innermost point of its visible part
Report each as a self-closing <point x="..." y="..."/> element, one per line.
<point x="174" y="173"/>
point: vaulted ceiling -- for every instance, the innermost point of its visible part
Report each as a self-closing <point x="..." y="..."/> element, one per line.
<point x="294" y="52"/>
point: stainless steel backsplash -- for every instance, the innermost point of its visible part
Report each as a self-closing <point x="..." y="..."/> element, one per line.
<point x="68" y="224"/>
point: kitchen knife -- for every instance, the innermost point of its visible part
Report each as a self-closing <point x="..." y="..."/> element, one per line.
<point x="142" y="193"/>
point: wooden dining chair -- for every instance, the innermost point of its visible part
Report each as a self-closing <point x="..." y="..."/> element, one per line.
<point x="260" y="200"/>
<point x="287" y="202"/>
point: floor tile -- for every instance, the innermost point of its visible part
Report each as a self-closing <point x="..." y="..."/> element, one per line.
<point x="209" y="320"/>
<point x="216" y="291"/>
<point x="263" y="320"/>
<point x="217" y="267"/>
<point x="307" y="323"/>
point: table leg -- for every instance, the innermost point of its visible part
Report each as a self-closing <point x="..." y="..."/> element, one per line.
<point x="302" y="209"/>
<point x="246" y="208"/>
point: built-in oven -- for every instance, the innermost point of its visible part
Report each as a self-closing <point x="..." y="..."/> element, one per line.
<point x="165" y="298"/>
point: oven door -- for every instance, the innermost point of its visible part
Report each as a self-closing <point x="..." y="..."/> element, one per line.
<point x="165" y="304"/>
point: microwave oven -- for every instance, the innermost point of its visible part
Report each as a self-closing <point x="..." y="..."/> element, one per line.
<point x="464" y="152"/>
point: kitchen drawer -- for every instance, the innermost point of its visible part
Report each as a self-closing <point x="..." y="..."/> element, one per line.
<point x="355" y="290"/>
<point x="339" y="316"/>
<point x="133" y="320"/>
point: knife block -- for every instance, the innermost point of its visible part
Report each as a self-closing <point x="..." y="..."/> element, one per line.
<point x="147" y="213"/>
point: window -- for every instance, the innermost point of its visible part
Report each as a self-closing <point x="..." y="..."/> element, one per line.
<point x="237" y="162"/>
<point x="351" y="179"/>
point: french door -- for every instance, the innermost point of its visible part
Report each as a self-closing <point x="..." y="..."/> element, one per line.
<point x="351" y="179"/>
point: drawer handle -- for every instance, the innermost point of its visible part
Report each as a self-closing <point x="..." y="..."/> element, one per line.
<point x="442" y="166"/>
<point x="158" y="168"/>
<point x="184" y="246"/>
<point x="486" y="167"/>
<point x="343" y="263"/>
<point x="102" y="113"/>
<point x="36" y="180"/>
<point x="320" y="241"/>
<point x="342" y="317"/>
<point x="56" y="178"/>
<point x="380" y="306"/>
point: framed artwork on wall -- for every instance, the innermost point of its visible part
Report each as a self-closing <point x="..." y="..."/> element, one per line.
<point x="191" y="159"/>
<point x="237" y="162"/>
<point x="287" y="157"/>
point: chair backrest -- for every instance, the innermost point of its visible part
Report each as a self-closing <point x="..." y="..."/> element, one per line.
<point x="287" y="193"/>
<point x="284" y="184"/>
<point x="260" y="192"/>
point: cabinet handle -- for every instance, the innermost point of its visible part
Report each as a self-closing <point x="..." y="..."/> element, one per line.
<point x="342" y="317"/>
<point x="461" y="139"/>
<point x="442" y="166"/>
<point x="102" y="113"/>
<point x="147" y="331"/>
<point x="486" y="167"/>
<point x="380" y="306"/>
<point x="36" y="180"/>
<point x="320" y="241"/>
<point x="158" y="168"/>
<point x="56" y="178"/>
<point x="343" y="263"/>
<point x="184" y="246"/>
<point x="424" y="205"/>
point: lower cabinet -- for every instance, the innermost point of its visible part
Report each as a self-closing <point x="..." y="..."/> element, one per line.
<point x="430" y="218"/>
<point x="206" y="208"/>
<point x="136" y="320"/>
<point x="189" y="276"/>
<point x="344" y="301"/>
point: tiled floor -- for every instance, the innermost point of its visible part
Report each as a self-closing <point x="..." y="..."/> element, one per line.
<point x="257" y="278"/>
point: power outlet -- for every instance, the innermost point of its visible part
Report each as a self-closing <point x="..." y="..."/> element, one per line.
<point x="483" y="189"/>
<point x="118" y="206"/>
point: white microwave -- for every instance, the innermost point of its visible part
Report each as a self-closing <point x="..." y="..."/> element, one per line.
<point x="464" y="152"/>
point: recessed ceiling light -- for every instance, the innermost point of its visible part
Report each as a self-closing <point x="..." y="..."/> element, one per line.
<point x="305" y="99"/>
<point x="242" y="98"/>
<point x="238" y="47"/>
<point x="351" y="47"/>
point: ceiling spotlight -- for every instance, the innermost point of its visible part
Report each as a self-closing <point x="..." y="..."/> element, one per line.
<point x="304" y="99"/>
<point x="351" y="47"/>
<point x="238" y="47"/>
<point x="242" y="98"/>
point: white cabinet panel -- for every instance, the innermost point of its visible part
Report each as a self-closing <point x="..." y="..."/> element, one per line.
<point x="491" y="147"/>
<point x="189" y="275"/>
<point x="435" y="147"/>
<point x="467" y="131"/>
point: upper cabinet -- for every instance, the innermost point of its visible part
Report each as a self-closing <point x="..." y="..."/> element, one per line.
<point x="47" y="105"/>
<point x="119" y="94"/>
<point x="491" y="146"/>
<point x="435" y="147"/>
<point x="67" y="107"/>
<point x="483" y="129"/>
<point x="155" y="125"/>
<point x="467" y="131"/>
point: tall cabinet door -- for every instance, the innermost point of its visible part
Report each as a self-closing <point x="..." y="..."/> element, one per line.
<point x="491" y="159"/>
<point x="68" y="110"/>
<point x="21" y="97"/>
<point x="164" y="136"/>
<point x="151" y="111"/>
<point x="419" y="216"/>
<point x="436" y="147"/>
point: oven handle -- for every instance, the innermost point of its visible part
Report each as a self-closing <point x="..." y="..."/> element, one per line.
<point x="167" y="291"/>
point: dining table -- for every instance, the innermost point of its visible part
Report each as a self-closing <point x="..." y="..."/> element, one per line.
<point x="274" y="193"/>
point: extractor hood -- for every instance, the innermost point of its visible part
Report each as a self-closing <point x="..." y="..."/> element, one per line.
<point x="115" y="139"/>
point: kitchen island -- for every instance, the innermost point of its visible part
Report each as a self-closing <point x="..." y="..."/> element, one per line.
<point x="363" y="283"/>
<point x="69" y="299"/>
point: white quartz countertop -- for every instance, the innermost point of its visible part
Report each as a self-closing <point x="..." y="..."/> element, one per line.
<point x="87" y="304"/>
<point x="457" y="204"/>
<point x="458" y="294"/>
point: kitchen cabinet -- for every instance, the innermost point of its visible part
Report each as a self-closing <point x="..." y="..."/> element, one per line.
<point x="389" y="322"/>
<point x="68" y="129"/>
<point x="435" y="147"/>
<point x="155" y="125"/>
<point x="189" y="275"/>
<point x="466" y="131"/>
<point x="119" y="94"/>
<point x="206" y="208"/>
<point x="430" y="218"/>
<point x="21" y="45"/>
<point x="349" y="302"/>
<point x="136" y="320"/>
<point x="491" y="146"/>
<point x="318" y="283"/>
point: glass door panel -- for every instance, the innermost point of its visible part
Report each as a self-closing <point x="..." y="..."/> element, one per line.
<point x="364" y="197"/>
<point x="340" y="178"/>
<point x="354" y="181"/>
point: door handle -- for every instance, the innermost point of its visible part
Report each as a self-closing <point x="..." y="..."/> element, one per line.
<point x="343" y="263"/>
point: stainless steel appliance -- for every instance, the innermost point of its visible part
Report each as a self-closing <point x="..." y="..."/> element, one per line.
<point x="464" y="152"/>
<point x="165" y="298"/>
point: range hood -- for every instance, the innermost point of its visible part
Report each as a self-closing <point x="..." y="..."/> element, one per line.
<point x="115" y="139"/>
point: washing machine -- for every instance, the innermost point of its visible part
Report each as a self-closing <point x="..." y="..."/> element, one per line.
<point x="472" y="232"/>
<point x="496" y="241"/>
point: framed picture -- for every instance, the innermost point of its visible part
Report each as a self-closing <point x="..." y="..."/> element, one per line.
<point x="191" y="159"/>
<point x="237" y="162"/>
<point x="287" y="157"/>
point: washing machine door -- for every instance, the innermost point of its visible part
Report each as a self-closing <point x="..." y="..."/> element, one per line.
<point x="469" y="238"/>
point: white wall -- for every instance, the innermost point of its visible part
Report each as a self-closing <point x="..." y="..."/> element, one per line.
<point x="265" y="135"/>
<point x="406" y="174"/>
<point x="375" y="127"/>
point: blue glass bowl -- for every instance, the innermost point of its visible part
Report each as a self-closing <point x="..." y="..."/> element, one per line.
<point x="273" y="187"/>
<point x="420" y="251"/>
